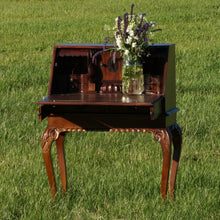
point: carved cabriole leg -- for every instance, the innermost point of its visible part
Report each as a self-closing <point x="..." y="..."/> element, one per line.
<point x="48" y="137"/>
<point x="177" y="141"/>
<point x="163" y="137"/>
<point x="61" y="160"/>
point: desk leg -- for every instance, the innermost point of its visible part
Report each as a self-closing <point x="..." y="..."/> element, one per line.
<point x="163" y="137"/>
<point x="48" y="137"/>
<point x="61" y="160"/>
<point x="177" y="141"/>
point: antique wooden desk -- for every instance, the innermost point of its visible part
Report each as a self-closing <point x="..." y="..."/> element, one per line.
<point x="85" y="95"/>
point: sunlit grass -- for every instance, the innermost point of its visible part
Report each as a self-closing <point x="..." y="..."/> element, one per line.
<point x="110" y="175"/>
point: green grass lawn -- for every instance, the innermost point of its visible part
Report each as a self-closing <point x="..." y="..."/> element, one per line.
<point x="110" y="175"/>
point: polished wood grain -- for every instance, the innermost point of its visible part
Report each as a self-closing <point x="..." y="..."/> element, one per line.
<point x="110" y="99"/>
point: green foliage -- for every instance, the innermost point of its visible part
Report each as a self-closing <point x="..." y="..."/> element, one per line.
<point x="110" y="175"/>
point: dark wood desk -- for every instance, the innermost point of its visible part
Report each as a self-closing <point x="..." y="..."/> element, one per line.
<point x="111" y="111"/>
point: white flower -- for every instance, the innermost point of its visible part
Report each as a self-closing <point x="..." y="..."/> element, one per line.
<point x="116" y="24"/>
<point x="130" y="30"/>
<point x="134" y="44"/>
<point x="116" y="21"/>
<point x="119" y="42"/>
<point x="128" y="40"/>
<point x="126" y="52"/>
<point x="152" y="24"/>
<point x="131" y="33"/>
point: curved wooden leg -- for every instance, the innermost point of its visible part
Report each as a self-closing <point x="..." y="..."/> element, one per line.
<point x="177" y="141"/>
<point x="61" y="160"/>
<point x="163" y="137"/>
<point x="47" y="138"/>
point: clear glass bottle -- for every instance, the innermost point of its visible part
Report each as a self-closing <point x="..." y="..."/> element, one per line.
<point x="132" y="78"/>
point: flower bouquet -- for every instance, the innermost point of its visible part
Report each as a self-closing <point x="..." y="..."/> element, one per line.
<point x="131" y="38"/>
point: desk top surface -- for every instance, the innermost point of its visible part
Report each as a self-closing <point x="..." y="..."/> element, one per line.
<point x="107" y="99"/>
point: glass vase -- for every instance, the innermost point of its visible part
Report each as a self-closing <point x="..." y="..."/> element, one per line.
<point x="132" y="78"/>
